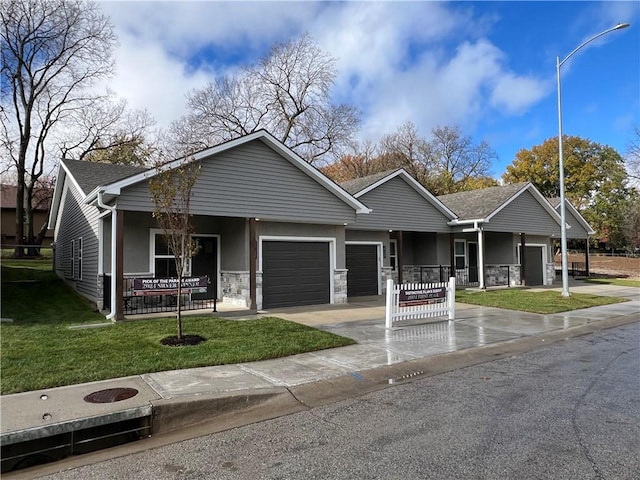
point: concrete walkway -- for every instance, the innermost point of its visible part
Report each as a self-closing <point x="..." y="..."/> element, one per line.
<point x="41" y="413"/>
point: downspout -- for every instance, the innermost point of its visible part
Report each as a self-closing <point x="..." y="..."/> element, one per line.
<point x="101" y="204"/>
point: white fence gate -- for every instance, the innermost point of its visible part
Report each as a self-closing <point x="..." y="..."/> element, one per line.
<point x="412" y="301"/>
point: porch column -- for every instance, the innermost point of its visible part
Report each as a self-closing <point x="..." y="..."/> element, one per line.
<point x="400" y="260"/>
<point x="522" y="261"/>
<point x="452" y="255"/>
<point x="253" y="259"/>
<point x="481" y="257"/>
<point x="119" y="273"/>
<point x="586" y="256"/>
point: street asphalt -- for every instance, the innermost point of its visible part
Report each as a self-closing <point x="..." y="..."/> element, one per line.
<point x="235" y="394"/>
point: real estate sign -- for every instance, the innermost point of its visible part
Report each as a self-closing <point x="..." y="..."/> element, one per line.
<point x="423" y="296"/>
<point x="169" y="286"/>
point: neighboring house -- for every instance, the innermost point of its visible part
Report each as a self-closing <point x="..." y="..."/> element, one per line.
<point x="8" y="195"/>
<point x="503" y="233"/>
<point x="579" y="230"/>
<point x="271" y="228"/>
<point x="406" y="231"/>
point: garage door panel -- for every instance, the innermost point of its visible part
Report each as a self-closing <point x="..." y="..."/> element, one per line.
<point x="295" y="273"/>
<point x="362" y="266"/>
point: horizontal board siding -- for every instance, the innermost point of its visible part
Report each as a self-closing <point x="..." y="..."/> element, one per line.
<point x="524" y="215"/>
<point x="78" y="220"/>
<point x="253" y="181"/>
<point x="397" y="206"/>
<point x="576" y="230"/>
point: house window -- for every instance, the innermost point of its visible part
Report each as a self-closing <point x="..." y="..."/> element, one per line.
<point x="459" y="254"/>
<point x="76" y="259"/>
<point x="393" y="254"/>
<point x="77" y="263"/>
<point x="163" y="261"/>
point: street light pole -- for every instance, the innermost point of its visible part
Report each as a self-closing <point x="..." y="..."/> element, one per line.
<point x="563" y="226"/>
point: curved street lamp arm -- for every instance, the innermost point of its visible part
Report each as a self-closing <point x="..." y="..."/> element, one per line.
<point x="617" y="27"/>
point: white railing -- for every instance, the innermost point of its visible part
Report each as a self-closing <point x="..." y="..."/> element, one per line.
<point x="412" y="301"/>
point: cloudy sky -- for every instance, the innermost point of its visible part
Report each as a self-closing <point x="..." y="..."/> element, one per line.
<point x="488" y="67"/>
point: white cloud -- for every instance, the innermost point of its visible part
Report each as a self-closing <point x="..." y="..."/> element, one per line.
<point x="421" y="61"/>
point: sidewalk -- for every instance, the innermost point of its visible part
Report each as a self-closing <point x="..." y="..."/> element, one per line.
<point x="178" y="393"/>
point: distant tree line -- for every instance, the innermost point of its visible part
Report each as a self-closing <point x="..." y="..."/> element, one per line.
<point x="55" y="52"/>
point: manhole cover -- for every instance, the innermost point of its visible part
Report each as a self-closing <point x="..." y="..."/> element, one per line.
<point x="111" y="395"/>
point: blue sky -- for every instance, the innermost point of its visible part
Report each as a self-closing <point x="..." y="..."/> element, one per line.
<point x="488" y="67"/>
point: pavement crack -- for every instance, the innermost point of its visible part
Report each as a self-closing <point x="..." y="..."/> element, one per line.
<point x="574" y="416"/>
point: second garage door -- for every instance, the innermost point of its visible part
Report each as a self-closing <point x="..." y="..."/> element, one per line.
<point x="295" y="273"/>
<point x="362" y="266"/>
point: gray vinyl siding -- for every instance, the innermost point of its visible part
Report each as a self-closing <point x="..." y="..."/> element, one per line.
<point x="576" y="230"/>
<point x="499" y="248"/>
<point x="78" y="221"/>
<point x="397" y="206"/>
<point x="252" y="180"/>
<point x="523" y="215"/>
<point x="365" y="236"/>
<point x="307" y="231"/>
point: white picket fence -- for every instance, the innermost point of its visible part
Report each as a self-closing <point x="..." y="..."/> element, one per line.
<point x="412" y="301"/>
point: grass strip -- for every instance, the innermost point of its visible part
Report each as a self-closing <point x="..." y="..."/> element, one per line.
<point x="622" y="282"/>
<point x="39" y="350"/>
<point x="545" y="302"/>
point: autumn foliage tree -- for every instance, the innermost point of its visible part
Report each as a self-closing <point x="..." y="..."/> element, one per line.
<point x="170" y="191"/>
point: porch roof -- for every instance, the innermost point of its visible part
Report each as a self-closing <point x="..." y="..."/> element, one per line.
<point x="480" y="204"/>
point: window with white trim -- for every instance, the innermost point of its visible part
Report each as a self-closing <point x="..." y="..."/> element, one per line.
<point x="393" y="254"/>
<point x="75" y="258"/>
<point x="164" y="263"/>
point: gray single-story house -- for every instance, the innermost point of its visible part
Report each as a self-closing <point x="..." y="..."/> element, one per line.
<point x="503" y="235"/>
<point x="579" y="228"/>
<point x="275" y="232"/>
<point x="407" y="229"/>
<point x="270" y="226"/>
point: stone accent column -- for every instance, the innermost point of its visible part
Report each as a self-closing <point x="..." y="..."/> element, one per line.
<point x="387" y="273"/>
<point x="340" y="285"/>
<point x="550" y="274"/>
<point x="235" y="288"/>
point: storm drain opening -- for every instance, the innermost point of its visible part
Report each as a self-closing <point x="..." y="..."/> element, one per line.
<point x="111" y="395"/>
<point x="55" y="447"/>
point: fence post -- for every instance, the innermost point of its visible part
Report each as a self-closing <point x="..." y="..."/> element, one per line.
<point x="452" y="298"/>
<point x="389" y="306"/>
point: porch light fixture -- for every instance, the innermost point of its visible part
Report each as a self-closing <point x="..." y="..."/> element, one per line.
<point x="563" y="226"/>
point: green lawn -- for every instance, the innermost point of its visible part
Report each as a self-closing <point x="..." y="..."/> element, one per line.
<point x="534" y="302"/>
<point x="39" y="350"/>
<point x="623" y="282"/>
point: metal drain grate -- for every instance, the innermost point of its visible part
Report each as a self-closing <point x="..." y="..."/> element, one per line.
<point x="111" y="395"/>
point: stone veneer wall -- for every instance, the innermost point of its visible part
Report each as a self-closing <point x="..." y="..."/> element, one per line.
<point x="100" y="292"/>
<point x="421" y="273"/>
<point x="388" y="273"/>
<point x="235" y="288"/>
<point x="551" y="274"/>
<point x="340" y="285"/>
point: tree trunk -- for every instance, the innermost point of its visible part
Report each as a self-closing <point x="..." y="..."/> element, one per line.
<point x="18" y="251"/>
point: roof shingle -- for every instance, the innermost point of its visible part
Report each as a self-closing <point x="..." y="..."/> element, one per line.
<point x="90" y="175"/>
<point x="477" y="204"/>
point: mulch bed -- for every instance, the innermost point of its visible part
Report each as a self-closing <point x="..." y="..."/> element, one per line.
<point x="185" y="340"/>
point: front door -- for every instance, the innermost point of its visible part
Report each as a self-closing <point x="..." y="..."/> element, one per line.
<point x="205" y="262"/>
<point x="473" y="262"/>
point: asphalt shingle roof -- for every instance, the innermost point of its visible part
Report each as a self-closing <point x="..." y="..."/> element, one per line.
<point x="358" y="184"/>
<point x="555" y="201"/>
<point x="90" y="175"/>
<point x="479" y="203"/>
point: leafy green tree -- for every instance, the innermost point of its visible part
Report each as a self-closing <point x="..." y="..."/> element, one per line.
<point x="170" y="191"/>
<point x="595" y="180"/>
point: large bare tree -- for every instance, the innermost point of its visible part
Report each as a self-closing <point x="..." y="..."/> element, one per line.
<point x="288" y="93"/>
<point x="53" y="53"/>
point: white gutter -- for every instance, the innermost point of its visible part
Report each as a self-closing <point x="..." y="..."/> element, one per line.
<point x="114" y="237"/>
